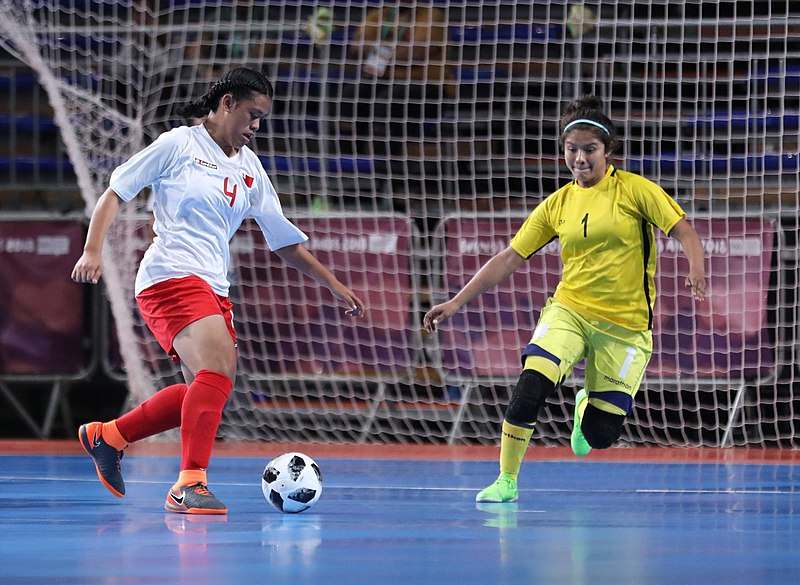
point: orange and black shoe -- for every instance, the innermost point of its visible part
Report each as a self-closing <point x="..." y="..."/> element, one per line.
<point x="106" y="458"/>
<point x="193" y="499"/>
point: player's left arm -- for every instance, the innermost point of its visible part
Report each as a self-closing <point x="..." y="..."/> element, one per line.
<point x="298" y="256"/>
<point x="693" y="250"/>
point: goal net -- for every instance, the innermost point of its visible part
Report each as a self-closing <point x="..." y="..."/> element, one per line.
<point x="410" y="150"/>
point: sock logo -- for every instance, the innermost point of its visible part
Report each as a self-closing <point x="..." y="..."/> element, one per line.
<point x="520" y="439"/>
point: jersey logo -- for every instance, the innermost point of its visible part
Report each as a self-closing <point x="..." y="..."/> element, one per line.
<point x="248" y="180"/>
<point x="203" y="163"/>
<point x="228" y="192"/>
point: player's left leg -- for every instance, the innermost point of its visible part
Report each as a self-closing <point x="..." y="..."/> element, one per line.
<point x="201" y="413"/>
<point x="593" y="428"/>
<point x="208" y="350"/>
<point x="615" y="366"/>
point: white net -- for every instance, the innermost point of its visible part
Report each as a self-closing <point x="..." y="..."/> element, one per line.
<point x="407" y="178"/>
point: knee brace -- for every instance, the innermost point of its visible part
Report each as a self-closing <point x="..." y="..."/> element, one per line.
<point x="601" y="429"/>
<point x="530" y="393"/>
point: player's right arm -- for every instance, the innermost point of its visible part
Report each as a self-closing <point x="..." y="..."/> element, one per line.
<point x="500" y="267"/>
<point x="89" y="267"/>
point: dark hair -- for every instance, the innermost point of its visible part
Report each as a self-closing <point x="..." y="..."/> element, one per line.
<point x="589" y="107"/>
<point x="242" y="83"/>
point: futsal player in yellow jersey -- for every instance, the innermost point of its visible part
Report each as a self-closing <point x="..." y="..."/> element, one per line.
<point x="602" y="310"/>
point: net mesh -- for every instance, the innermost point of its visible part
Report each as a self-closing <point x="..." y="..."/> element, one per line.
<point x="409" y="179"/>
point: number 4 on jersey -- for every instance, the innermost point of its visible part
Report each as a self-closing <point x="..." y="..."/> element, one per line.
<point x="231" y="194"/>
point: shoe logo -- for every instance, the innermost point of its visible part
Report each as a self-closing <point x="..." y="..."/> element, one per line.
<point x="176" y="499"/>
<point x="96" y="441"/>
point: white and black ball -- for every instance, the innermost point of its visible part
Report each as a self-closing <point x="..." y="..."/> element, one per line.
<point x="292" y="482"/>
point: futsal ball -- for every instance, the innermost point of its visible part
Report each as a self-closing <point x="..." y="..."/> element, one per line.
<point x="292" y="482"/>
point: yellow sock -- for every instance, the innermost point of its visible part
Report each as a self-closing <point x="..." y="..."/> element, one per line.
<point x="513" y="444"/>
<point x="191" y="477"/>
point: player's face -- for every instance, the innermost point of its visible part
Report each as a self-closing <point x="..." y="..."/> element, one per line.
<point x="244" y="118"/>
<point x="585" y="156"/>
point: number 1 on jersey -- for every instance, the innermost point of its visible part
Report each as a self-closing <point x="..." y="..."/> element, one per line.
<point x="585" y="222"/>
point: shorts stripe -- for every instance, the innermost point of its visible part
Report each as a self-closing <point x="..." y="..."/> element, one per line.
<point x="621" y="400"/>
<point x="534" y="350"/>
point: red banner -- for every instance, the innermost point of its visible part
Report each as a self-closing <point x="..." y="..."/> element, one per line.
<point x="42" y="318"/>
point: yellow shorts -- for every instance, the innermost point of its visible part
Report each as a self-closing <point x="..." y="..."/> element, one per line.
<point x="616" y="358"/>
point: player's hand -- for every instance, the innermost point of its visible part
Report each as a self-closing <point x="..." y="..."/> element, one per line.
<point x="698" y="285"/>
<point x="355" y="305"/>
<point x="437" y="314"/>
<point x="88" y="268"/>
<point x="356" y="310"/>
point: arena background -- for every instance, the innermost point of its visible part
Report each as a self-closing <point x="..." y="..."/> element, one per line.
<point x="706" y="96"/>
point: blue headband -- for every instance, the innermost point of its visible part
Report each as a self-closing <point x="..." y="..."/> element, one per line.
<point x="585" y="121"/>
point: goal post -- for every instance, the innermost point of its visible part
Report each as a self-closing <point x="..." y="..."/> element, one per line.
<point x="389" y="177"/>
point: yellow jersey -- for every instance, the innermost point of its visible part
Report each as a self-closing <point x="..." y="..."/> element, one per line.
<point x="608" y="248"/>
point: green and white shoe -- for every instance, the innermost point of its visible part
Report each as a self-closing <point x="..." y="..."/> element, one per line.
<point x="577" y="441"/>
<point x="504" y="489"/>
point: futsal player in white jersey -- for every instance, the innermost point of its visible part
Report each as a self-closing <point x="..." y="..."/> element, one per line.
<point x="602" y="310"/>
<point x="205" y="182"/>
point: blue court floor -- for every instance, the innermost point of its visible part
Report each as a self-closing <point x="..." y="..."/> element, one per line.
<point x="409" y="522"/>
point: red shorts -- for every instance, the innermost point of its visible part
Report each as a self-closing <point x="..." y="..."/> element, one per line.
<point x="168" y="307"/>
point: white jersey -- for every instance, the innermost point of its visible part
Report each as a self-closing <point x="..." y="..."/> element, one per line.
<point x="200" y="199"/>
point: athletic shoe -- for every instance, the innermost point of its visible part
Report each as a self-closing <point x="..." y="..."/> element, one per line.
<point x="193" y="499"/>
<point x="577" y="441"/>
<point x="504" y="489"/>
<point x="106" y="458"/>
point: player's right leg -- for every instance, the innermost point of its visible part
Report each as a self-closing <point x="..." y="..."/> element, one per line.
<point x="555" y="347"/>
<point x="105" y="445"/>
<point x="529" y="395"/>
<point x="105" y="442"/>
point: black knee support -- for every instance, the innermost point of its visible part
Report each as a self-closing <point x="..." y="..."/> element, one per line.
<point x="530" y="394"/>
<point x="601" y="429"/>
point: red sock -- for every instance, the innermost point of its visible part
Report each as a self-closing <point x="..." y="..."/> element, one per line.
<point x="200" y="416"/>
<point x="157" y="414"/>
